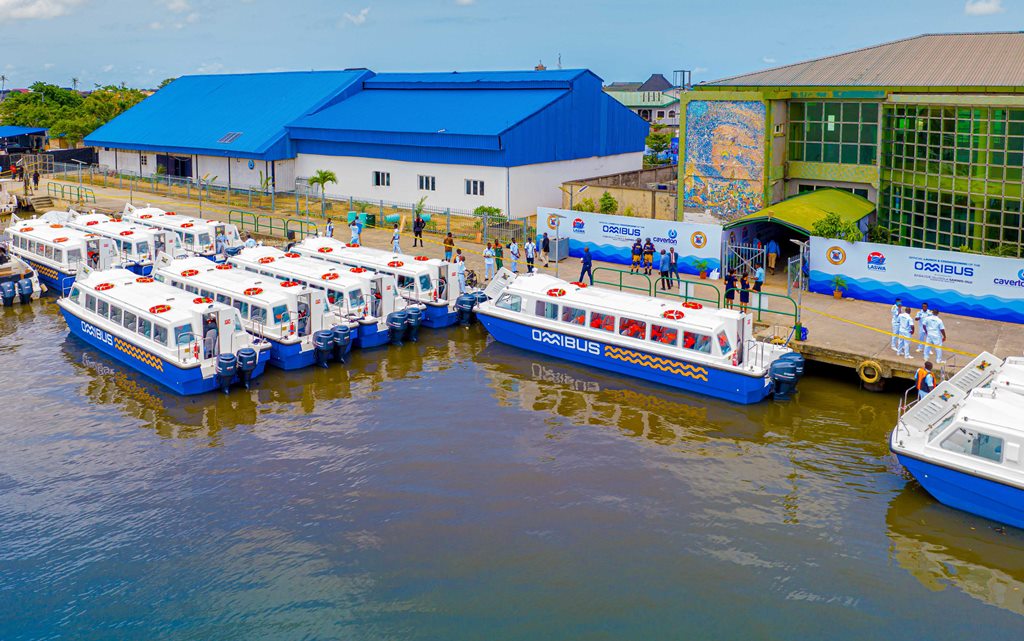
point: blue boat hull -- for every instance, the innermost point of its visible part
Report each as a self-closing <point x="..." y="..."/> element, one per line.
<point x="54" y="279"/>
<point x="369" y="336"/>
<point x="289" y="356"/>
<point x="141" y="270"/>
<point x="989" y="499"/>
<point x="437" y="316"/>
<point x="630" y="362"/>
<point x="184" y="381"/>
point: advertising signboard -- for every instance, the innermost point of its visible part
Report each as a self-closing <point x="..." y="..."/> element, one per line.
<point x="954" y="282"/>
<point x="610" y="238"/>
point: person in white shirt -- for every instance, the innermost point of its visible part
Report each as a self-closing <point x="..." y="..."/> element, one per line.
<point x="513" y="251"/>
<point x="354" y="229"/>
<point x="906" y="331"/>
<point x="460" y="268"/>
<point x="396" y="236"/>
<point x="920" y="318"/>
<point x="934" y="334"/>
<point x="895" y="311"/>
<point x="531" y="251"/>
<point x="488" y="263"/>
<point x="250" y="242"/>
<point x="330" y="228"/>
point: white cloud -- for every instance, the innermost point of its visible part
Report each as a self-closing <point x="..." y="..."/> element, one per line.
<point x="156" y="26"/>
<point x="48" y="65"/>
<point x="210" y="67"/>
<point x="178" y="6"/>
<point x="108" y="68"/>
<point x="465" y="3"/>
<point x="768" y="61"/>
<point x="359" y="18"/>
<point x="36" y="9"/>
<point x="983" y="7"/>
<point x="700" y="70"/>
<point x="192" y="18"/>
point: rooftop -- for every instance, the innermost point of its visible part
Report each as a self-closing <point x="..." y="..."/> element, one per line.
<point x="993" y="59"/>
<point x="637" y="99"/>
<point x="801" y="212"/>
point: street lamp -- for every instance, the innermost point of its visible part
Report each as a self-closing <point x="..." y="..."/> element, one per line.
<point x="571" y="193"/>
<point x="80" y="163"/>
<point x="558" y="227"/>
<point x="800" y="283"/>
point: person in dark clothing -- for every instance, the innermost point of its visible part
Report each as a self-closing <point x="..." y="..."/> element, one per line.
<point x="744" y="291"/>
<point x="730" y="288"/>
<point x="648" y="257"/>
<point x="545" y="249"/>
<point x="35" y="179"/>
<point x="587" y="263"/>
<point x="418" y="226"/>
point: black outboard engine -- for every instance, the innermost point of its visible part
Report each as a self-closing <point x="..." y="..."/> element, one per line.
<point x="248" y="358"/>
<point x="7" y="293"/>
<point x="323" y="346"/>
<point x="784" y="378"/>
<point x="233" y="251"/>
<point x="412" y="323"/>
<point x="464" y="308"/>
<point x="396" y="326"/>
<point x="227" y="366"/>
<point x="25" y="291"/>
<point x="797" y="359"/>
<point x="342" y="341"/>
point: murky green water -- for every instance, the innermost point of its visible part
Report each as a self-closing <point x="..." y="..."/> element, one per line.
<point x="456" y="489"/>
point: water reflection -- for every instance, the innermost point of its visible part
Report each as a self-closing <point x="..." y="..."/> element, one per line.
<point x="942" y="547"/>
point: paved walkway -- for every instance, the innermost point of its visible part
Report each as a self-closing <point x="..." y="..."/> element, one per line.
<point x="840" y="332"/>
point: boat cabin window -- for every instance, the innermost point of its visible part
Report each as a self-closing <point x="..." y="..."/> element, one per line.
<point x="90" y="302"/>
<point x="425" y="284"/>
<point x="160" y="334"/>
<point x="205" y="293"/>
<point x="985" y="446"/>
<point x="141" y="247"/>
<point x="405" y="282"/>
<point x="633" y="328"/>
<point x="221" y="298"/>
<point x="48" y="252"/>
<point x="129" y="321"/>
<point x="355" y="298"/>
<point x="102" y="307"/>
<point x="664" y="335"/>
<point x="510" y="302"/>
<point x="574" y="315"/>
<point x="182" y="334"/>
<point x="192" y="288"/>
<point x="259" y="314"/>
<point x="74" y="256"/>
<point x="145" y="327"/>
<point x="204" y="239"/>
<point x="547" y="310"/>
<point x="58" y="255"/>
<point x="601" y="321"/>
<point x="243" y="308"/>
<point x="723" y="343"/>
<point x="190" y="240"/>
<point x="74" y="294"/>
<point x="115" y="314"/>
<point x="697" y="342"/>
<point x="280" y="314"/>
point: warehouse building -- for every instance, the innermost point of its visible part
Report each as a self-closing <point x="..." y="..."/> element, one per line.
<point x="462" y="140"/>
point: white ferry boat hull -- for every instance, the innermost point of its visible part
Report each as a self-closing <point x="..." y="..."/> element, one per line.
<point x="672" y="372"/>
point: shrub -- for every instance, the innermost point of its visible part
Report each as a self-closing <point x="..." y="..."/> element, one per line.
<point x="608" y="204"/>
<point x="833" y="226"/>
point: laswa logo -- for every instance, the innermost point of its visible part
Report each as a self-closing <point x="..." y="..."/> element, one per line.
<point x="567" y="342"/>
<point x="876" y="261"/>
<point x="577" y="225"/>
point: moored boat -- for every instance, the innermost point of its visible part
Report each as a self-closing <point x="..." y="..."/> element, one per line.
<point x="962" y="442"/>
<point x="136" y="246"/>
<point x="198" y="236"/>
<point x="19" y="283"/>
<point x="57" y="252"/>
<point x="680" y="344"/>
<point x="187" y="343"/>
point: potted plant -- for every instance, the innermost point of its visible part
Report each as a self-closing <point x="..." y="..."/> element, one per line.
<point x="838" y="285"/>
<point x="702" y="268"/>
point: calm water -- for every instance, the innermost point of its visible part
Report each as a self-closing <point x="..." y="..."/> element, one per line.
<point x="456" y="489"/>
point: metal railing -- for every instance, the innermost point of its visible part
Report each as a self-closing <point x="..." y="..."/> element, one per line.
<point x="70" y="193"/>
<point x="688" y="294"/>
<point x="760" y="308"/>
<point x="620" y="283"/>
<point x="266" y="225"/>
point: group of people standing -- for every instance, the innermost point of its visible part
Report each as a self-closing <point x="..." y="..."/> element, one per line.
<point x="932" y="331"/>
<point x="743" y="285"/>
<point x="645" y="257"/>
<point x="494" y="255"/>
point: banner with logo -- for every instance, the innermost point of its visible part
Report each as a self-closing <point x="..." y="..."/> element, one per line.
<point x="954" y="282"/>
<point x="611" y="238"/>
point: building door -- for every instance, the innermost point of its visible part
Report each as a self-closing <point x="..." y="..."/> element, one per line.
<point x="177" y="166"/>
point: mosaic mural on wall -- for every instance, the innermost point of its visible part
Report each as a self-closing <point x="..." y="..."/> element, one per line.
<point x="724" y="169"/>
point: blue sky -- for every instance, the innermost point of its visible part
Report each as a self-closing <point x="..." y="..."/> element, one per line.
<point x="143" y="41"/>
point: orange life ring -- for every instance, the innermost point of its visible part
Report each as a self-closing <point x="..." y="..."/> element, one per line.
<point x="169" y="213"/>
<point x="127" y="232"/>
<point x="202" y="300"/>
<point x="102" y="287"/>
<point x="61" y="239"/>
<point x="395" y="263"/>
<point x="190" y="272"/>
<point x="186" y="225"/>
<point x="557" y="291"/>
<point x="422" y="258"/>
<point x="351" y="244"/>
<point x="25" y="229"/>
<point x="357" y="270"/>
<point x="56" y="226"/>
<point x="143" y="279"/>
<point x="91" y="236"/>
<point x="289" y="283"/>
<point x="325" y="250"/>
<point x="692" y="305"/>
<point x="159" y="309"/>
<point x="673" y="314"/>
<point x="292" y="255"/>
<point x="330" y="276"/>
<point x="92" y="222"/>
<point x="225" y="266"/>
<point x="266" y="260"/>
<point x="578" y="284"/>
<point x="143" y="217"/>
<point x="253" y="291"/>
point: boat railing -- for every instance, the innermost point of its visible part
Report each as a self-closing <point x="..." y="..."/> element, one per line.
<point x="190" y="349"/>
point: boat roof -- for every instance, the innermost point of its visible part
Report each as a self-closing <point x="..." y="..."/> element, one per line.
<point x="158" y="216"/>
<point x="236" y="281"/>
<point x="617" y="302"/>
<point x="378" y="258"/>
<point x="141" y="293"/>
<point x="300" y="266"/>
<point x="110" y="227"/>
<point x="41" y="230"/>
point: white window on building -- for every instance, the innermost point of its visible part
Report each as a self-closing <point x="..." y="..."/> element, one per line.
<point x="381" y="179"/>
<point x="661" y="114"/>
<point x="672" y="114"/>
<point x="474" y="187"/>
<point x="427" y="183"/>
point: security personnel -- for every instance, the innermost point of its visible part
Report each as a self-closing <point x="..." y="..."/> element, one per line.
<point x="906" y="330"/>
<point x="895" y="311"/>
<point x="638" y="253"/>
<point x="648" y="257"/>
<point x="925" y="380"/>
<point x="934" y="335"/>
<point x="586" y="262"/>
<point x="460" y="267"/>
<point x="920" y="318"/>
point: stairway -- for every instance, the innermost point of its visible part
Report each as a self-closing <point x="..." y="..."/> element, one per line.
<point x="41" y="203"/>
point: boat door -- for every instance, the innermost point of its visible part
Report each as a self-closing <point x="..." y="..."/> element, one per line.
<point x="212" y="339"/>
<point x="304" y="323"/>
<point x="226" y="319"/>
<point x="100" y="253"/>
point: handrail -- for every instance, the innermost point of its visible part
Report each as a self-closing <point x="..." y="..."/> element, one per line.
<point x="621" y="284"/>
<point x="686" y="296"/>
<point x="760" y="308"/>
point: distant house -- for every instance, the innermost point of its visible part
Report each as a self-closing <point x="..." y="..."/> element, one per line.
<point x="656" y="107"/>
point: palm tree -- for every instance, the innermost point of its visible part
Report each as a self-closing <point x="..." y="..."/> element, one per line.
<point x="320" y="178"/>
<point x="3" y="85"/>
<point x="74" y="84"/>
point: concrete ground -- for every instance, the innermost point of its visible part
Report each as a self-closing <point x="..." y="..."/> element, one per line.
<point x="840" y="331"/>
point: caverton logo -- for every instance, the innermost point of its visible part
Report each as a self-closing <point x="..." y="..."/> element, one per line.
<point x="836" y="255"/>
<point x="876" y="261"/>
<point x="577" y="225"/>
<point x="698" y="239"/>
<point x="672" y="234"/>
<point x="1010" y="282"/>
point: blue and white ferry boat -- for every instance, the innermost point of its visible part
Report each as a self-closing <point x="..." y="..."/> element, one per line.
<point x="187" y="343"/>
<point x="136" y="245"/>
<point x="197" y="236"/>
<point x="683" y="345"/>
<point x="356" y="294"/>
<point x="57" y="252"/>
<point x="19" y="283"/>
<point x="286" y="313"/>
<point x="964" y="441"/>
<point x="426" y="281"/>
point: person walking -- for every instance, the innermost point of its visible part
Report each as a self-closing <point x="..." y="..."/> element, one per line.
<point x="449" y="247"/>
<point x="513" y="252"/>
<point x="586" y="263"/>
<point x="488" y="263"/>
<point x="418" y="226"/>
<point x="35" y="179"/>
<point x="396" y="237"/>
<point x="758" y="278"/>
<point x="499" y="253"/>
<point x="730" y="288"/>
<point x="906" y="331"/>
<point x="773" y="254"/>
<point x="744" y="291"/>
<point x="895" y="311"/>
<point x="921" y="317"/>
<point x="545" y="249"/>
<point x="329" y="229"/>
<point x="460" y="269"/>
<point x="673" y="268"/>
<point x="354" y="230"/>
<point x="638" y="257"/>
<point x="925" y="380"/>
<point x="648" y="257"/>
<point x="933" y="331"/>
<point x="664" y="282"/>
<point x="531" y="252"/>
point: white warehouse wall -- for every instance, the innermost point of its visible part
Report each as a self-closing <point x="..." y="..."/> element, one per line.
<point x="538" y="185"/>
<point x="215" y="166"/>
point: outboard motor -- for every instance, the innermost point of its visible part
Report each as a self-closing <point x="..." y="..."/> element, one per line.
<point x="396" y="326"/>
<point x="227" y="365"/>
<point x="412" y="322"/>
<point x="797" y="359"/>
<point x="464" y="308"/>
<point x="233" y="251"/>
<point x="247" y="361"/>
<point x="783" y="377"/>
<point x="323" y="346"/>
<point x="25" y="291"/>
<point x="7" y="293"/>
<point x="342" y="341"/>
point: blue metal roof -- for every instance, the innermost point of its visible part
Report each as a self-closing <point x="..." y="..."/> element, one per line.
<point x="11" y="131"/>
<point x="194" y="114"/>
<point x="556" y="79"/>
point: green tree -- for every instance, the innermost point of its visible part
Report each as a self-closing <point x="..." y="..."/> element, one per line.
<point x="587" y="204"/>
<point x="607" y="204"/>
<point x="165" y="82"/>
<point x="321" y="178"/>
<point x="64" y="112"/>
<point x="833" y="226"/>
